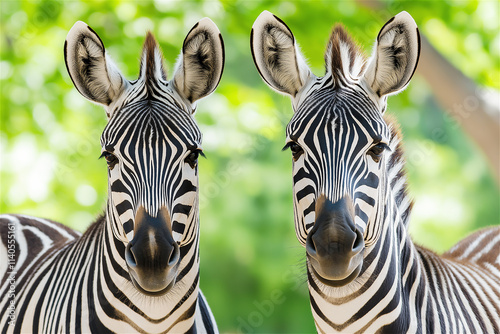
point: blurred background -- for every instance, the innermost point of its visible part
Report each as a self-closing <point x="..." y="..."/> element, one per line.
<point x="252" y="266"/>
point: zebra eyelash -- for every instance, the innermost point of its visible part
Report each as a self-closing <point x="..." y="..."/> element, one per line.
<point x="192" y="157"/>
<point x="289" y="144"/>
<point x="382" y="145"/>
<point x="105" y="154"/>
<point x="376" y="150"/>
<point x="111" y="159"/>
<point x="197" y="150"/>
<point x="286" y="147"/>
<point x="296" y="149"/>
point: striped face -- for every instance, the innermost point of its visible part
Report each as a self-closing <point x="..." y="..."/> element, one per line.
<point x="338" y="138"/>
<point x="151" y="144"/>
<point x="152" y="150"/>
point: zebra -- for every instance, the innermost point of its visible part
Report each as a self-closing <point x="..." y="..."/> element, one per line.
<point x="136" y="268"/>
<point x="350" y="197"/>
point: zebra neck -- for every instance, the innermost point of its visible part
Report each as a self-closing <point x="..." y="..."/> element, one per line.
<point x="397" y="192"/>
<point x="376" y="292"/>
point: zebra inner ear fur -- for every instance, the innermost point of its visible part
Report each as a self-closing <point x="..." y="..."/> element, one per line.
<point x="93" y="73"/>
<point x="277" y="56"/>
<point x="395" y="56"/>
<point x="201" y="62"/>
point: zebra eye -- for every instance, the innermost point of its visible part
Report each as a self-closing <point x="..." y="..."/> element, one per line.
<point x="376" y="151"/>
<point x="192" y="158"/>
<point x="111" y="159"/>
<point x="295" y="148"/>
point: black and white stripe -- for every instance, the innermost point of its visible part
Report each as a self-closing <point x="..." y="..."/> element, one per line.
<point x="335" y="133"/>
<point x="351" y="205"/>
<point x="98" y="282"/>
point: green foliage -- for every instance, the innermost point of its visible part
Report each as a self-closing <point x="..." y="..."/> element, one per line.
<point x="252" y="270"/>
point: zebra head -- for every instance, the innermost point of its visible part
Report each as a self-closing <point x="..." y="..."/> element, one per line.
<point x="338" y="137"/>
<point x="151" y="144"/>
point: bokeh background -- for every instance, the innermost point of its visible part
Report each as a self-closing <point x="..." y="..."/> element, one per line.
<point x="252" y="268"/>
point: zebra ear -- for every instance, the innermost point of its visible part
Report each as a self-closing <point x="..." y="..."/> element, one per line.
<point x="395" y="56"/>
<point x="201" y="62"/>
<point x="277" y="56"/>
<point x="93" y="73"/>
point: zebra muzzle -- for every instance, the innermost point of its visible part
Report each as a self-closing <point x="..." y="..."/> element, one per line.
<point x="152" y="256"/>
<point x="335" y="244"/>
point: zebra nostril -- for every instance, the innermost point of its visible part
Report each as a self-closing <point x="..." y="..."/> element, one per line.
<point x="130" y="256"/>
<point x="358" y="243"/>
<point x="174" y="255"/>
<point x="310" y="246"/>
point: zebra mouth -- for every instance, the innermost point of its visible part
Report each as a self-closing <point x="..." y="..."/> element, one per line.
<point x="153" y="293"/>
<point x="337" y="282"/>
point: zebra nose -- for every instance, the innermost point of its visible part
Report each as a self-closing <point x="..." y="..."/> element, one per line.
<point x="335" y="245"/>
<point x="167" y="256"/>
<point x="152" y="256"/>
<point x="323" y="243"/>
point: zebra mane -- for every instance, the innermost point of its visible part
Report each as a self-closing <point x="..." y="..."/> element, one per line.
<point x="344" y="59"/>
<point x="152" y="67"/>
<point x="396" y="172"/>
